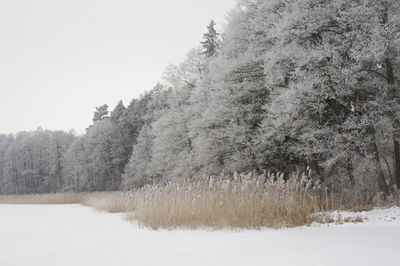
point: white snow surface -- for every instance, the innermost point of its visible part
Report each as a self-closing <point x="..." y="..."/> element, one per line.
<point x="77" y="235"/>
<point x="376" y="216"/>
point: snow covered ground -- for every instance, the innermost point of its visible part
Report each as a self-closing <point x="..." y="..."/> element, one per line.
<point x="76" y="235"/>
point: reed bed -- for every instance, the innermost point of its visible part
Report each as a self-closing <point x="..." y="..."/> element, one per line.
<point x="240" y="201"/>
<point x="237" y="201"/>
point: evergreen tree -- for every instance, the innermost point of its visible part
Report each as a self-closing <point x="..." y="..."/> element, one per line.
<point x="121" y="147"/>
<point x="211" y="44"/>
<point x="100" y="113"/>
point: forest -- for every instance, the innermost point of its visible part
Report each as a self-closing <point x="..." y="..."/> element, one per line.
<point x="288" y="86"/>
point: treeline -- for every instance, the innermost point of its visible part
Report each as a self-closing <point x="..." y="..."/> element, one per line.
<point x="288" y="86"/>
<point x="48" y="161"/>
<point x="33" y="162"/>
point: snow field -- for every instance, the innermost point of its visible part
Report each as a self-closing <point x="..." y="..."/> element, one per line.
<point x="76" y="235"/>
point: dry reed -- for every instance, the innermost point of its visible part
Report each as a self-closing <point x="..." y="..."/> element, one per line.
<point x="113" y="202"/>
<point x="252" y="201"/>
<point x="240" y="201"/>
<point x="44" y="199"/>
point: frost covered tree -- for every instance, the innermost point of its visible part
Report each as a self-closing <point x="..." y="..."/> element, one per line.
<point x="58" y="145"/>
<point x="121" y="146"/>
<point x="211" y="43"/>
<point x="98" y="144"/>
<point x="172" y="148"/>
<point x="377" y="53"/>
<point x="326" y="106"/>
<point x="33" y="162"/>
<point x="289" y="86"/>
<point x="138" y="171"/>
<point x="287" y="91"/>
<point x="101" y="113"/>
<point x="76" y="165"/>
<point x="234" y="85"/>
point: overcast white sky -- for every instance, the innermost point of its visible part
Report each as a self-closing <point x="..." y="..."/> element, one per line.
<point x="61" y="58"/>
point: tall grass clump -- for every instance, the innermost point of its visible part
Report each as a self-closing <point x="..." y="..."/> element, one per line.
<point x="239" y="201"/>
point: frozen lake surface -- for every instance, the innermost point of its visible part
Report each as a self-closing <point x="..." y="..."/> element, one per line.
<point x="76" y="235"/>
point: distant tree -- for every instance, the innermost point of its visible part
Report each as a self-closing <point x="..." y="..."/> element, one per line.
<point x="98" y="145"/>
<point x="188" y="73"/>
<point x="76" y="165"/>
<point x="211" y="43"/>
<point x="136" y="112"/>
<point x="100" y="113"/>
<point x="139" y="170"/>
<point x="121" y="146"/>
<point x="58" y="146"/>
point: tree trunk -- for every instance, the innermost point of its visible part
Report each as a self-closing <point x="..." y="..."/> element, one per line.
<point x="396" y="176"/>
<point x="361" y="98"/>
<point x="382" y="185"/>
<point x="77" y="181"/>
<point x="395" y="121"/>
<point x="313" y="164"/>
<point x="350" y="171"/>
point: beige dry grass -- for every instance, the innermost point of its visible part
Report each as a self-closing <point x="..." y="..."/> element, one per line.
<point x="55" y="198"/>
<point x="226" y="202"/>
<point x="243" y="201"/>
<point x="105" y="201"/>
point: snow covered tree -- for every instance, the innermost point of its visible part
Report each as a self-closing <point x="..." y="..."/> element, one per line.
<point x="76" y="165"/>
<point x="172" y="149"/>
<point x="101" y="113"/>
<point x="138" y="171"/>
<point x="59" y="144"/>
<point x="98" y="143"/>
<point x="317" y="68"/>
<point x="235" y="94"/>
<point x="211" y="43"/>
<point x="291" y="86"/>
<point x="121" y="146"/>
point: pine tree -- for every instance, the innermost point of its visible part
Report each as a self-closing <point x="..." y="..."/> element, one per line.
<point x="211" y="44"/>
<point x="122" y="141"/>
<point x="101" y="112"/>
